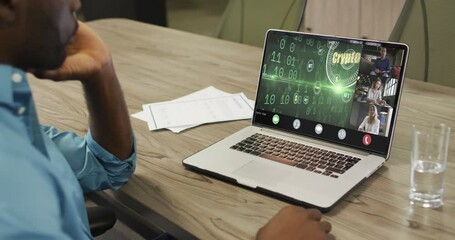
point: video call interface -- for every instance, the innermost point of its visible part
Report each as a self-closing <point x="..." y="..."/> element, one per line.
<point x="340" y="90"/>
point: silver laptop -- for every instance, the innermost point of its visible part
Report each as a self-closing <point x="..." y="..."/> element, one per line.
<point x="323" y="121"/>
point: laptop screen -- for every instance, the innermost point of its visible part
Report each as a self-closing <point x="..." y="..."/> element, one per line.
<point x="337" y="89"/>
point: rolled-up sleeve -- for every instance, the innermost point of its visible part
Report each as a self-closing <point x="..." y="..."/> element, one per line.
<point x="94" y="167"/>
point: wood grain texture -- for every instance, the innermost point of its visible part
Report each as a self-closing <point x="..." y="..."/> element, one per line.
<point x="158" y="64"/>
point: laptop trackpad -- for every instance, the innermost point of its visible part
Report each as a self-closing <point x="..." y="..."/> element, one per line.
<point x="260" y="173"/>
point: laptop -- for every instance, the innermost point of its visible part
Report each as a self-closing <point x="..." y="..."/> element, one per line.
<point x="324" y="117"/>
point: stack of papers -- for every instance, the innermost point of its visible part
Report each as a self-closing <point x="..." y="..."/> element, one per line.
<point x="205" y="106"/>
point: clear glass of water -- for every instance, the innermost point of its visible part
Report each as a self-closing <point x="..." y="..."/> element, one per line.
<point x="428" y="164"/>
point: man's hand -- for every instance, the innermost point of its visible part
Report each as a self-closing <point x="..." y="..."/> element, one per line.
<point x="87" y="56"/>
<point x="296" y="223"/>
<point x="89" y="61"/>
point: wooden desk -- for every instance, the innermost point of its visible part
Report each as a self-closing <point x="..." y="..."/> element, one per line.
<point x="159" y="64"/>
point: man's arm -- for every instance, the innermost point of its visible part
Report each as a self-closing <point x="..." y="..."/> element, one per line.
<point x="94" y="167"/>
<point x="90" y="62"/>
<point x="388" y="68"/>
<point x="376" y="66"/>
<point x="109" y="120"/>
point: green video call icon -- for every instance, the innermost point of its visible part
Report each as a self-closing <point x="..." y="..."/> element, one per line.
<point x="275" y="119"/>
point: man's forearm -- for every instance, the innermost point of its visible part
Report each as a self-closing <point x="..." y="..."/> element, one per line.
<point x="109" y="120"/>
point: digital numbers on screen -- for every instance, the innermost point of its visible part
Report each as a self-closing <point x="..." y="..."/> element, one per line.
<point x="300" y="78"/>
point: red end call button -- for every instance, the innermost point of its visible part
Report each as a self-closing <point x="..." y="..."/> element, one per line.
<point x="366" y="140"/>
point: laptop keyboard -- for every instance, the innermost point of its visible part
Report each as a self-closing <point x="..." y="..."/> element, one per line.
<point x="299" y="155"/>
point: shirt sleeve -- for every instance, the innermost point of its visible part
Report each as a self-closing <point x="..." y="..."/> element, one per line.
<point x="388" y="66"/>
<point x="94" y="167"/>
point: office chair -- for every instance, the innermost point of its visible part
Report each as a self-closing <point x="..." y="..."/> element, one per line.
<point x="149" y="11"/>
<point x="100" y="219"/>
<point x="246" y="21"/>
<point x="425" y="25"/>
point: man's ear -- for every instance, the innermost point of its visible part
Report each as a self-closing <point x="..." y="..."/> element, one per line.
<point x="7" y="13"/>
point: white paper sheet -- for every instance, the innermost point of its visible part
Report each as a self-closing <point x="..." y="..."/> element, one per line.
<point x="141" y="116"/>
<point x="198" y="111"/>
<point x="208" y="92"/>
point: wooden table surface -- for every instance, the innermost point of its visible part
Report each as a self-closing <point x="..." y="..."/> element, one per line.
<point x="159" y="64"/>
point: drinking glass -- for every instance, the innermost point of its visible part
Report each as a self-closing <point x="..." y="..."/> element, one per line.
<point x="429" y="150"/>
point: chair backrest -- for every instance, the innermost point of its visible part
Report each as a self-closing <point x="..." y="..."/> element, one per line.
<point x="425" y="25"/>
<point x="246" y="21"/>
<point x="149" y="11"/>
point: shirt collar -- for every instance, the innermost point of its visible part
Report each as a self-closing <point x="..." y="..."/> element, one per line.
<point x="6" y="82"/>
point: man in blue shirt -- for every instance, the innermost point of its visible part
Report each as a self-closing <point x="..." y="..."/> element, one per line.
<point x="382" y="66"/>
<point x="44" y="171"/>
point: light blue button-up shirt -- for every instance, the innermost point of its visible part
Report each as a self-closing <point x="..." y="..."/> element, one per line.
<point x="44" y="172"/>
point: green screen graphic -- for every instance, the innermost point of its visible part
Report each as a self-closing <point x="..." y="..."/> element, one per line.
<point x="309" y="78"/>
